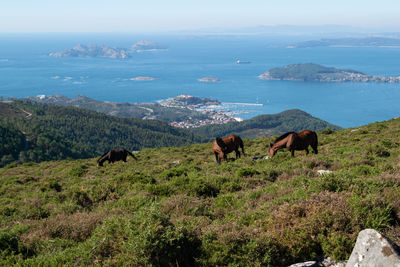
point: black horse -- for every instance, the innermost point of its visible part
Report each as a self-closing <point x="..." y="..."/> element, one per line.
<point x="115" y="155"/>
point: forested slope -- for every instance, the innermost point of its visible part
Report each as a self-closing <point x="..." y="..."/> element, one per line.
<point x="54" y="132"/>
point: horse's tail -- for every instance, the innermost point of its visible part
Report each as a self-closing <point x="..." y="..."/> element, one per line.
<point x="282" y="136"/>
<point x="129" y="153"/>
<point x="241" y="145"/>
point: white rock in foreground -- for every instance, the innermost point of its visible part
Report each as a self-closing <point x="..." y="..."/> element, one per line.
<point x="322" y="172"/>
<point x="372" y="249"/>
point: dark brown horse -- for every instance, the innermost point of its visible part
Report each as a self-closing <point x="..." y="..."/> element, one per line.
<point x="114" y="155"/>
<point x="225" y="145"/>
<point x="295" y="141"/>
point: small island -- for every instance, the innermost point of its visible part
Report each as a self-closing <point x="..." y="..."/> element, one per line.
<point x="103" y="51"/>
<point x="209" y="80"/>
<point x="147" y="46"/>
<point x="143" y="78"/>
<point x="317" y="73"/>
<point x="100" y="51"/>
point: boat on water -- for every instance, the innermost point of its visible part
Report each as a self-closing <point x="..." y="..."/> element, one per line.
<point x="242" y="62"/>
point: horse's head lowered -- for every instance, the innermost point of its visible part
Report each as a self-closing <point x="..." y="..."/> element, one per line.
<point x="271" y="150"/>
<point x="221" y="144"/>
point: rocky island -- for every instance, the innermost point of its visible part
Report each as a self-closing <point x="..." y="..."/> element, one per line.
<point x="209" y="80"/>
<point x="317" y="73"/>
<point x="103" y="51"/>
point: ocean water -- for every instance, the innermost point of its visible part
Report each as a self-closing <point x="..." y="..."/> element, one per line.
<point x="26" y="70"/>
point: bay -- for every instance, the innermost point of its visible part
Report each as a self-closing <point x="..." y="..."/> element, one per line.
<point x="27" y="70"/>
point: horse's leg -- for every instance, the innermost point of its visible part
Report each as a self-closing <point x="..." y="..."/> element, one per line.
<point x="307" y="151"/>
<point x="292" y="152"/>
<point x="225" y="157"/>
<point x="217" y="158"/>
<point x="237" y="153"/>
<point x="315" y="149"/>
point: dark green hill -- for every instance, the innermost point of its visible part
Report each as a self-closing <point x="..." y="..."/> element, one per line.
<point x="54" y="132"/>
<point x="267" y="125"/>
<point x="176" y="206"/>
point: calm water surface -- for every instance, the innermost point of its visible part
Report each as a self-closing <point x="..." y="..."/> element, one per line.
<point x="26" y="70"/>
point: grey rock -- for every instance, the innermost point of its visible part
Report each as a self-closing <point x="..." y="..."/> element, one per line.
<point x="305" y="264"/>
<point x="328" y="262"/>
<point x="372" y="249"/>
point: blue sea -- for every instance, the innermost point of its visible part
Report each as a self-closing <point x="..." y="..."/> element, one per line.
<point x="27" y="70"/>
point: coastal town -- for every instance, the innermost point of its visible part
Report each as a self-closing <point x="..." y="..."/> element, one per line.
<point x="212" y="111"/>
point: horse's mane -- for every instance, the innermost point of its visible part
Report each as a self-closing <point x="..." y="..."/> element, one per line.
<point x="282" y="136"/>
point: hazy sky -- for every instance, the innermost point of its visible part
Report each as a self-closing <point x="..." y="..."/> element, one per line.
<point x="162" y="15"/>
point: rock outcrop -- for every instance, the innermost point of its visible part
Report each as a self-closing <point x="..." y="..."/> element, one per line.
<point x="372" y="249"/>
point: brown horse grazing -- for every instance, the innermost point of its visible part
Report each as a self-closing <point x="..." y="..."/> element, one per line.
<point x="114" y="155"/>
<point x="295" y="141"/>
<point x="225" y="145"/>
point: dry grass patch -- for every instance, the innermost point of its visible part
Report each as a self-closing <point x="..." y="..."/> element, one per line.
<point x="77" y="227"/>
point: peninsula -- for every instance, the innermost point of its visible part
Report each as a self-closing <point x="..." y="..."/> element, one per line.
<point x="317" y="73"/>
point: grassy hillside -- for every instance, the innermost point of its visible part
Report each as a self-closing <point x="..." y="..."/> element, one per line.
<point x="267" y="125"/>
<point x="176" y="206"/>
<point x="54" y="132"/>
<point x="38" y="132"/>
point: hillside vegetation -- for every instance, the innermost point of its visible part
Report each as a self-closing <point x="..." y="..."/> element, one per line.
<point x="176" y="206"/>
<point x="38" y="132"/>
<point x="52" y="132"/>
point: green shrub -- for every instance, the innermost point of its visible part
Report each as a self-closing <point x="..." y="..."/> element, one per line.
<point x="159" y="189"/>
<point x="247" y="172"/>
<point x="175" y="172"/>
<point x="327" y="131"/>
<point x="78" y="171"/>
<point x="338" y="245"/>
<point x="149" y="239"/>
<point x="204" y="188"/>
